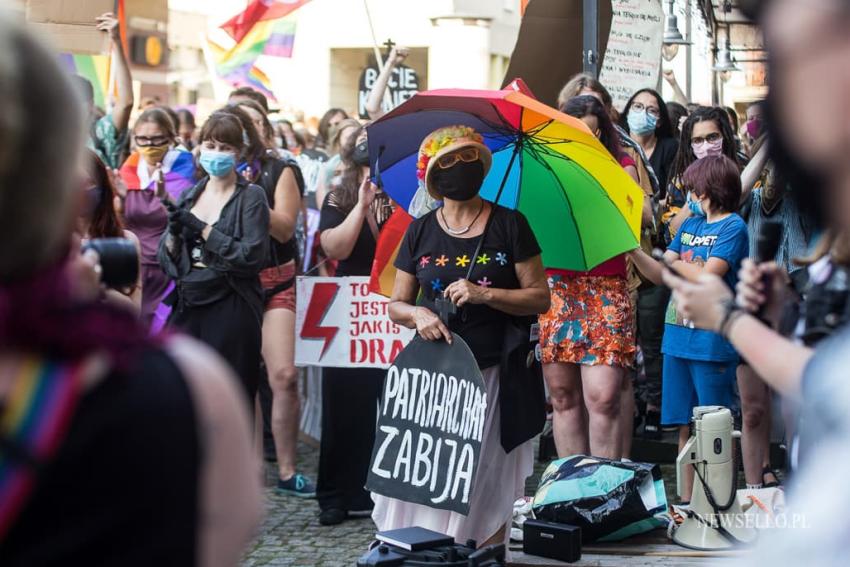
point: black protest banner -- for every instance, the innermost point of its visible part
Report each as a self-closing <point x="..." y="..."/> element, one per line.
<point x="403" y="84"/>
<point x="430" y="426"/>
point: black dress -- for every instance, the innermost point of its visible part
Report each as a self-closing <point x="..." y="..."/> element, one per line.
<point x="218" y="297"/>
<point x="350" y="399"/>
<point x="123" y="487"/>
<point x="662" y="159"/>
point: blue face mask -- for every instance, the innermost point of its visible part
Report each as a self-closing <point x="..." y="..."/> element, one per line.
<point x="641" y="123"/>
<point x="217" y="164"/>
<point x="695" y="207"/>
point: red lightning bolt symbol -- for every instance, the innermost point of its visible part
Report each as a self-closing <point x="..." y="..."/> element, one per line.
<point x="320" y="302"/>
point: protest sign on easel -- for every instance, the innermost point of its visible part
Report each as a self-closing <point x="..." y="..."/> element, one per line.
<point x="430" y="426"/>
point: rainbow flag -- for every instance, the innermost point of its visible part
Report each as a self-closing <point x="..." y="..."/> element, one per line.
<point x="95" y="68"/>
<point x="258" y="11"/>
<point x="274" y="38"/>
<point x="247" y="74"/>
<point x="281" y="39"/>
<point x="382" y="278"/>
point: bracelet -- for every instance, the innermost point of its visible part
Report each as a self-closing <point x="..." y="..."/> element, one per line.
<point x="731" y="314"/>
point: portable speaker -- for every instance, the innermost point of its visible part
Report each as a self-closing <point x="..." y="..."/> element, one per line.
<point x="548" y="539"/>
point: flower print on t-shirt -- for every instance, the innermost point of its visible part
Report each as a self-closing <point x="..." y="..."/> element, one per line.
<point x="438" y="259"/>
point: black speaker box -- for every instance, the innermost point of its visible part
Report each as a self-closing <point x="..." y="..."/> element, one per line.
<point x="548" y="539"/>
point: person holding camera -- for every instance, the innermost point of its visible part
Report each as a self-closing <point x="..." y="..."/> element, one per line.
<point x="110" y="439"/>
<point x="99" y="219"/>
<point x="214" y="248"/>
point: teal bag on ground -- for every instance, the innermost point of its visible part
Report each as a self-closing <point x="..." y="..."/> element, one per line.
<point x="609" y="500"/>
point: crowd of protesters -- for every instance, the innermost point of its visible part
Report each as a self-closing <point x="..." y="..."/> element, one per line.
<point x="226" y="213"/>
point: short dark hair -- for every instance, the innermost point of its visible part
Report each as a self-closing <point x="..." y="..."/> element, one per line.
<point x="253" y="146"/>
<point x="584" y="105"/>
<point x="664" y="128"/>
<point x="718" y="179"/>
<point x="253" y="94"/>
<point x="223" y="127"/>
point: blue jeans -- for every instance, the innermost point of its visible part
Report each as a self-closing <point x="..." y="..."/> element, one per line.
<point x="691" y="383"/>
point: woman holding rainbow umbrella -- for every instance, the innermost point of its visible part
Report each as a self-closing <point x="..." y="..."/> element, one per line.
<point x="503" y="179"/>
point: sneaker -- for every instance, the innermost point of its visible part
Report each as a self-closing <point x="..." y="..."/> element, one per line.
<point x="298" y="485"/>
<point x="652" y="425"/>
<point x="332" y="517"/>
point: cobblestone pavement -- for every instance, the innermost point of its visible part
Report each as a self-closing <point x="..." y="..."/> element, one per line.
<point x="291" y="534"/>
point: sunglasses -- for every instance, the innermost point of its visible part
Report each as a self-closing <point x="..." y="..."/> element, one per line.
<point x="145" y="141"/>
<point x="466" y="155"/>
<point x="710" y="139"/>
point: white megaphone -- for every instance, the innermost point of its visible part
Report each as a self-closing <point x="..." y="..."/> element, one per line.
<point x="715" y="520"/>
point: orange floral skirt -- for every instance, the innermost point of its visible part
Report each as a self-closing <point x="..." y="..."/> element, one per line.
<point x="590" y="322"/>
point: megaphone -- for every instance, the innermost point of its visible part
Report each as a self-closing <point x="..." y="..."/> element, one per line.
<point x="714" y="520"/>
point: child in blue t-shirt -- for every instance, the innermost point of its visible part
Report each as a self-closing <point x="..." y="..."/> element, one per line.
<point x="699" y="366"/>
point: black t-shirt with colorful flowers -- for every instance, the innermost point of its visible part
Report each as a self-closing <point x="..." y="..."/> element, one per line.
<point x="438" y="259"/>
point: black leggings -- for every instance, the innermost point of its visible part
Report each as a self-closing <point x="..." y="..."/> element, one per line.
<point x="350" y="399"/>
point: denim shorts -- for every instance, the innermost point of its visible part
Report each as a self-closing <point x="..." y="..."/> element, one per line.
<point x="687" y="384"/>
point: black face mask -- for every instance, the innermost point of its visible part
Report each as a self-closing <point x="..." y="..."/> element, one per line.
<point x="461" y="182"/>
<point x="360" y="155"/>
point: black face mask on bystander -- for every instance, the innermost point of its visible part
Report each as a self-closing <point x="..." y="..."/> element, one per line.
<point x="360" y="155"/>
<point x="461" y="182"/>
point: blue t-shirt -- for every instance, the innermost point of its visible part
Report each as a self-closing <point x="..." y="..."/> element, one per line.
<point x="696" y="242"/>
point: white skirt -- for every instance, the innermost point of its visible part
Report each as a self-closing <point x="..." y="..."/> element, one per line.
<point x="499" y="481"/>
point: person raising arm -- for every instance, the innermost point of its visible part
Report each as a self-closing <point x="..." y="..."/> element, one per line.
<point x="374" y="104"/>
<point x="123" y="79"/>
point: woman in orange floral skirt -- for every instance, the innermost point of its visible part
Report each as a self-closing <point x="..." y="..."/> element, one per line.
<point x="587" y="337"/>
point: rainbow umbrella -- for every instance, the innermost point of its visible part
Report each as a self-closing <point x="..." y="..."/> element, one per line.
<point x="582" y="205"/>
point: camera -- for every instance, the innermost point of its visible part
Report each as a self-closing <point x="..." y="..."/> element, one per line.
<point x="119" y="260"/>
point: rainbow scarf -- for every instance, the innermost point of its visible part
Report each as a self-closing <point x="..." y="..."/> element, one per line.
<point x="180" y="177"/>
<point x="34" y="420"/>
